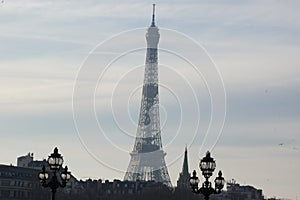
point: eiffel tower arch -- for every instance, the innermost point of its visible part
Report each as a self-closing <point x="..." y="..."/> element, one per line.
<point x="147" y="157"/>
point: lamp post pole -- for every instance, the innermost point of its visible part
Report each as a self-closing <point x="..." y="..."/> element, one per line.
<point x="55" y="161"/>
<point x="207" y="166"/>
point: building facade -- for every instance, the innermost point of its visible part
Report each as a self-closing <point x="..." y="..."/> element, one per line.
<point x="19" y="183"/>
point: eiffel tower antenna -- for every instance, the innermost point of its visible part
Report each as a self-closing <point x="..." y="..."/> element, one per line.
<point x="153" y="16"/>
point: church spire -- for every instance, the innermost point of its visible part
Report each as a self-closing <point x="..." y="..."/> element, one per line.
<point x="185" y="167"/>
<point x="153" y="16"/>
<point x="183" y="181"/>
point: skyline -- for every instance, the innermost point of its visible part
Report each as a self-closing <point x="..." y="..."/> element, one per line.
<point x="253" y="43"/>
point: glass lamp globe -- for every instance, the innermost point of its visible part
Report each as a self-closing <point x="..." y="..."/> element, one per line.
<point x="65" y="175"/>
<point x="219" y="182"/>
<point x="43" y="175"/>
<point x="194" y="181"/>
<point x="55" y="160"/>
<point x="207" y="165"/>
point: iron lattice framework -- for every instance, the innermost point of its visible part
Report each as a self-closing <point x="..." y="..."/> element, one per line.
<point x="147" y="158"/>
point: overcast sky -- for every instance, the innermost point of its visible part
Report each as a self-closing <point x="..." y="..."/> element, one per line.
<point x="248" y="49"/>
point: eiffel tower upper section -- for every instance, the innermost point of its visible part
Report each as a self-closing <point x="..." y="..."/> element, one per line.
<point x="148" y="132"/>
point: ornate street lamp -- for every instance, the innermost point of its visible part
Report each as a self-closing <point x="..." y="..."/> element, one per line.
<point x="207" y="166"/>
<point x="55" y="161"/>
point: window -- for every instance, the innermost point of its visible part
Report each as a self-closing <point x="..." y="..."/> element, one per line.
<point x="5" y="183"/>
<point x="5" y="193"/>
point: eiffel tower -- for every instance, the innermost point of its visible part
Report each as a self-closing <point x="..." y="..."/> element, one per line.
<point x="147" y="157"/>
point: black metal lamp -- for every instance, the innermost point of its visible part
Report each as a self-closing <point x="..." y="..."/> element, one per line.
<point x="207" y="166"/>
<point x="55" y="161"/>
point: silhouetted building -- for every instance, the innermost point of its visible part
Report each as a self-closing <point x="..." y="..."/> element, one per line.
<point x="28" y="162"/>
<point x="19" y="183"/>
<point x="106" y="187"/>
<point x="184" y="176"/>
<point x="237" y="192"/>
